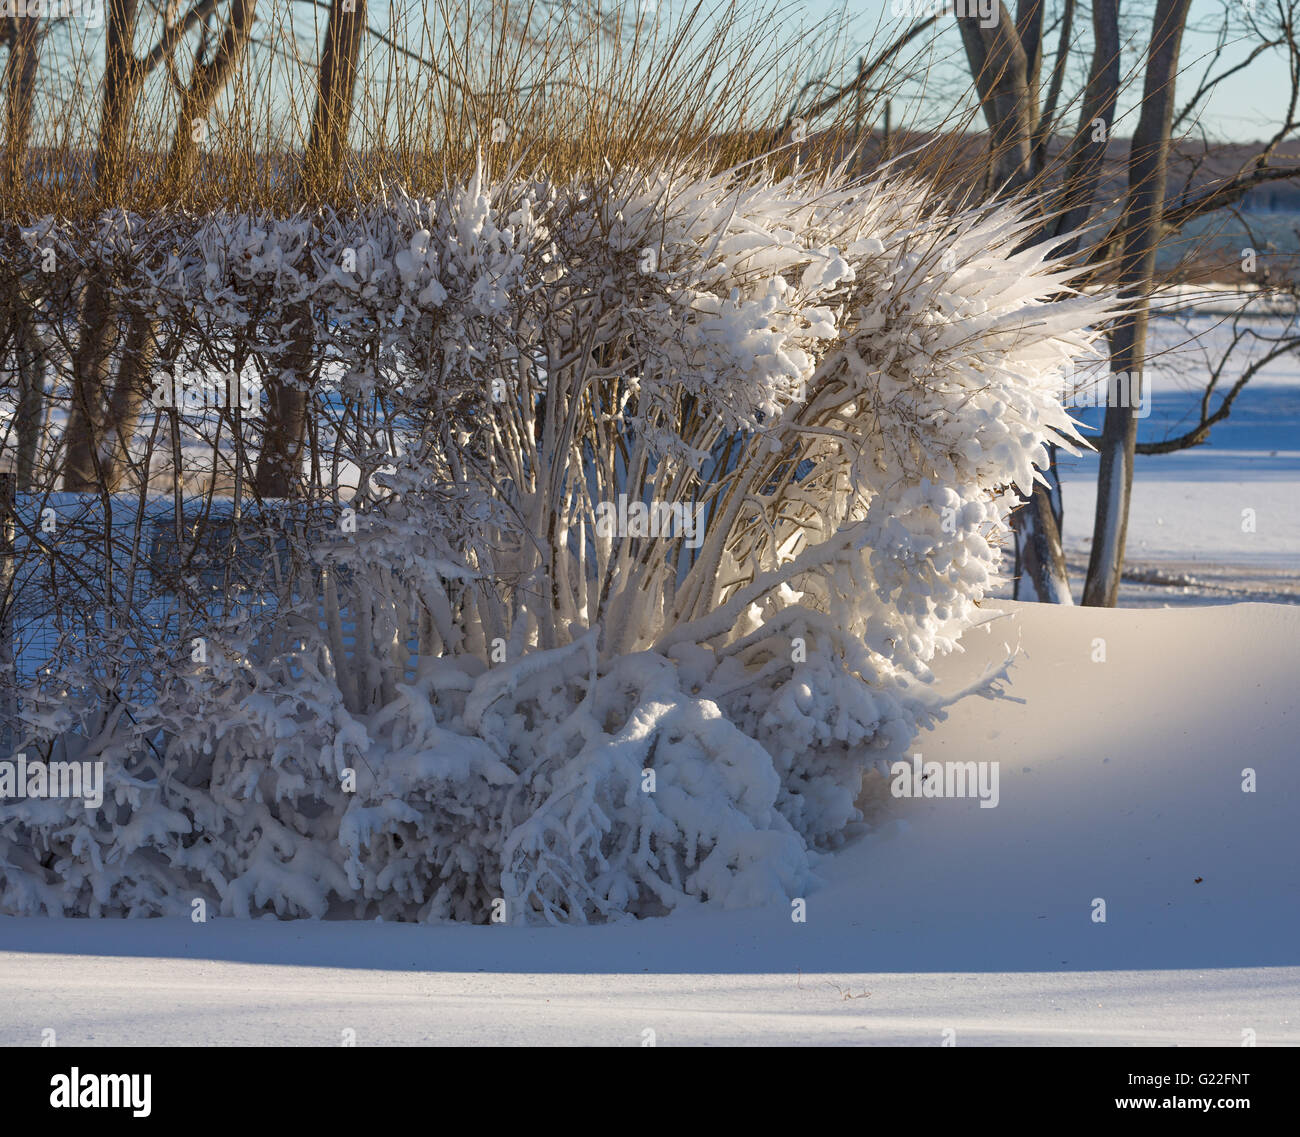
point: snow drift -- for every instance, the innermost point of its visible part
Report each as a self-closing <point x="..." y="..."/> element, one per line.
<point x="947" y="916"/>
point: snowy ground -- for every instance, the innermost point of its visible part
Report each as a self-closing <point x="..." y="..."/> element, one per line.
<point x="1119" y="780"/>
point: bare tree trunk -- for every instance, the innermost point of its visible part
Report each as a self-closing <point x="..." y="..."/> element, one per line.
<point x="206" y="82"/>
<point x="25" y="42"/>
<point x="1088" y="148"/>
<point x="139" y="348"/>
<point x="1001" y="72"/>
<point x="1042" y="559"/>
<point x="29" y="421"/>
<point x="101" y="427"/>
<point x="338" y="75"/>
<point x="279" y="465"/>
<point x="129" y="392"/>
<point x="1148" y="170"/>
<point x="92" y="362"/>
<point x="91" y="378"/>
<point x="123" y="77"/>
<point x="8" y="671"/>
<point x="20" y="85"/>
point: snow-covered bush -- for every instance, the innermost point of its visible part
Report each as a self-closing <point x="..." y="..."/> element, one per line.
<point x="651" y="499"/>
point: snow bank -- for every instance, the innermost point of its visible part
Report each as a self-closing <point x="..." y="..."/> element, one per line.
<point x="1121" y="780"/>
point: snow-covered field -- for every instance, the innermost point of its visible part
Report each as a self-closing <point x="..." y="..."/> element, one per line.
<point x="1119" y="780"/>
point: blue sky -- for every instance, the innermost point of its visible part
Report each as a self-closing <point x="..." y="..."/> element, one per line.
<point x="1241" y="109"/>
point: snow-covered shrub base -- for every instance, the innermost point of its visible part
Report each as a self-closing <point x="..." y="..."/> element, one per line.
<point x="480" y="703"/>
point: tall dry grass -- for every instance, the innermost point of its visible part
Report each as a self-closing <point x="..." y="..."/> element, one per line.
<point x="571" y="88"/>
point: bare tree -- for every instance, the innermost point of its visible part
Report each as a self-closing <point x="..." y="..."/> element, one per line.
<point x="279" y="464"/>
<point x="1006" y="62"/>
<point x="335" y="87"/>
<point x="25" y="38"/>
<point x="197" y="96"/>
<point x="207" y="78"/>
<point x="103" y="414"/>
<point x="1148" y="172"/>
<point x="1005" y="59"/>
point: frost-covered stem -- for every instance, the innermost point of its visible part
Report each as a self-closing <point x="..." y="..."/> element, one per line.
<point x="720" y="619"/>
<point x="624" y="615"/>
<point x="338" y="650"/>
<point x="704" y="586"/>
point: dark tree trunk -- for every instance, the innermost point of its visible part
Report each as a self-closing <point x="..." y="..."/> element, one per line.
<point x="1148" y="169"/>
<point x="279" y="465"/>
